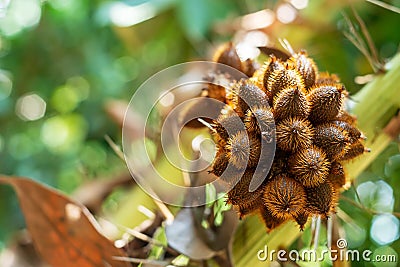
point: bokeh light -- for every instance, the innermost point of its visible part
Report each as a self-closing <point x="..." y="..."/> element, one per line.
<point x="5" y="84"/>
<point x="27" y="12"/>
<point x="299" y="4"/>
<point x="30" y="107"/>
<point x="64" y="99"/>
<point x="286" y="13"/>
<point x="258" y="20"/>
<point x="385" y="229"/>
<point x="62" y="4"/>
<point x="61" y="134"/>
<point x="249" y="42"/>
<point x="19" y="14"/>
<point x="246" y="50"/>
<point x="376" y="195"/>
<point x="80" y="86"/>
<point x="124" y="15"/>
<point x="3" y="7"/>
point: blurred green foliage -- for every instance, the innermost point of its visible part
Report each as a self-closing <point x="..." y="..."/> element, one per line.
<point x="76" y="55"/>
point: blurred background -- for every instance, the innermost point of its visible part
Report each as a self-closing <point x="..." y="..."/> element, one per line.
<point x="68" y="67"/>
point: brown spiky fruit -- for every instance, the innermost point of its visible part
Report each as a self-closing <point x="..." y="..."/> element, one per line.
<point x="303" y="111"/>
<point x="227" y="123"/>
<point x="225" y="171"/>
<point x="332" y="139"/>
<point x="217" y="86"/>
<point x="356" y="149"/>
<point x="284" y="78"/>
<point x="259" y="118"/>
<point x="280" y="164"/>
<point x="220" y="164"/>
<point x="291" y="102"/>
<point x="325" y="102"/>
<point x="248" y="94"/>
<point x="269" y="67"/>
<point x="336" y="175"/>
<point x="326" y="78"/>
<point x="345" y="116"/>
<point x="284" y="197"/>
<point x="293" y="134"/>
<point x="310" y="166"/>
<point x="321" y="199"/>
<point x="243" y="150"/>
<point x="245" y="208"/>
<point x="306" y="67"/>
<point x="217" y="92"/>
<point x="240" y="196"/>
<point x="301" y="218"/>
<point x="353" y="133"/>
<point x="270" y="221"/>
<point x="226" y="54"/>
<point x="249" y="67"/>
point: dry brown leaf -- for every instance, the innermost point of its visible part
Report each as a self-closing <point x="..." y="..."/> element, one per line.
<point x="274" y="51"/>
<point x="64" y="232"/>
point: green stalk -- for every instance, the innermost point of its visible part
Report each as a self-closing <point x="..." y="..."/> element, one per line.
<point x="375" y="105"/>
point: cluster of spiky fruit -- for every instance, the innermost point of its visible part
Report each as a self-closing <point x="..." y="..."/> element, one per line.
<point x="314" y="135"/>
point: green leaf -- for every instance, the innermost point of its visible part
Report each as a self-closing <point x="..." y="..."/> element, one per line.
<point x="157" y="252"/>
<point x="181" y="260"/>
<point x="197" y="17"/>
<point x="205" y="224"/>
<point x="219" y="208"/>
<point x="392" y="167"/>
<point x="219" y="218"/>
<point x="211" y="194"/>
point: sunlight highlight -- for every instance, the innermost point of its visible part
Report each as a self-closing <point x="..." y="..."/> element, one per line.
<point x="30" y="107"/>
<point x="299" y="4"/>
<point x="258" y="20"/>
<point x="18" y="14"/>
<point x="123" y="15"/>
<point x="385" y="229"/>
<point x="5" y="85"/>
<point x="286" y="13"/>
